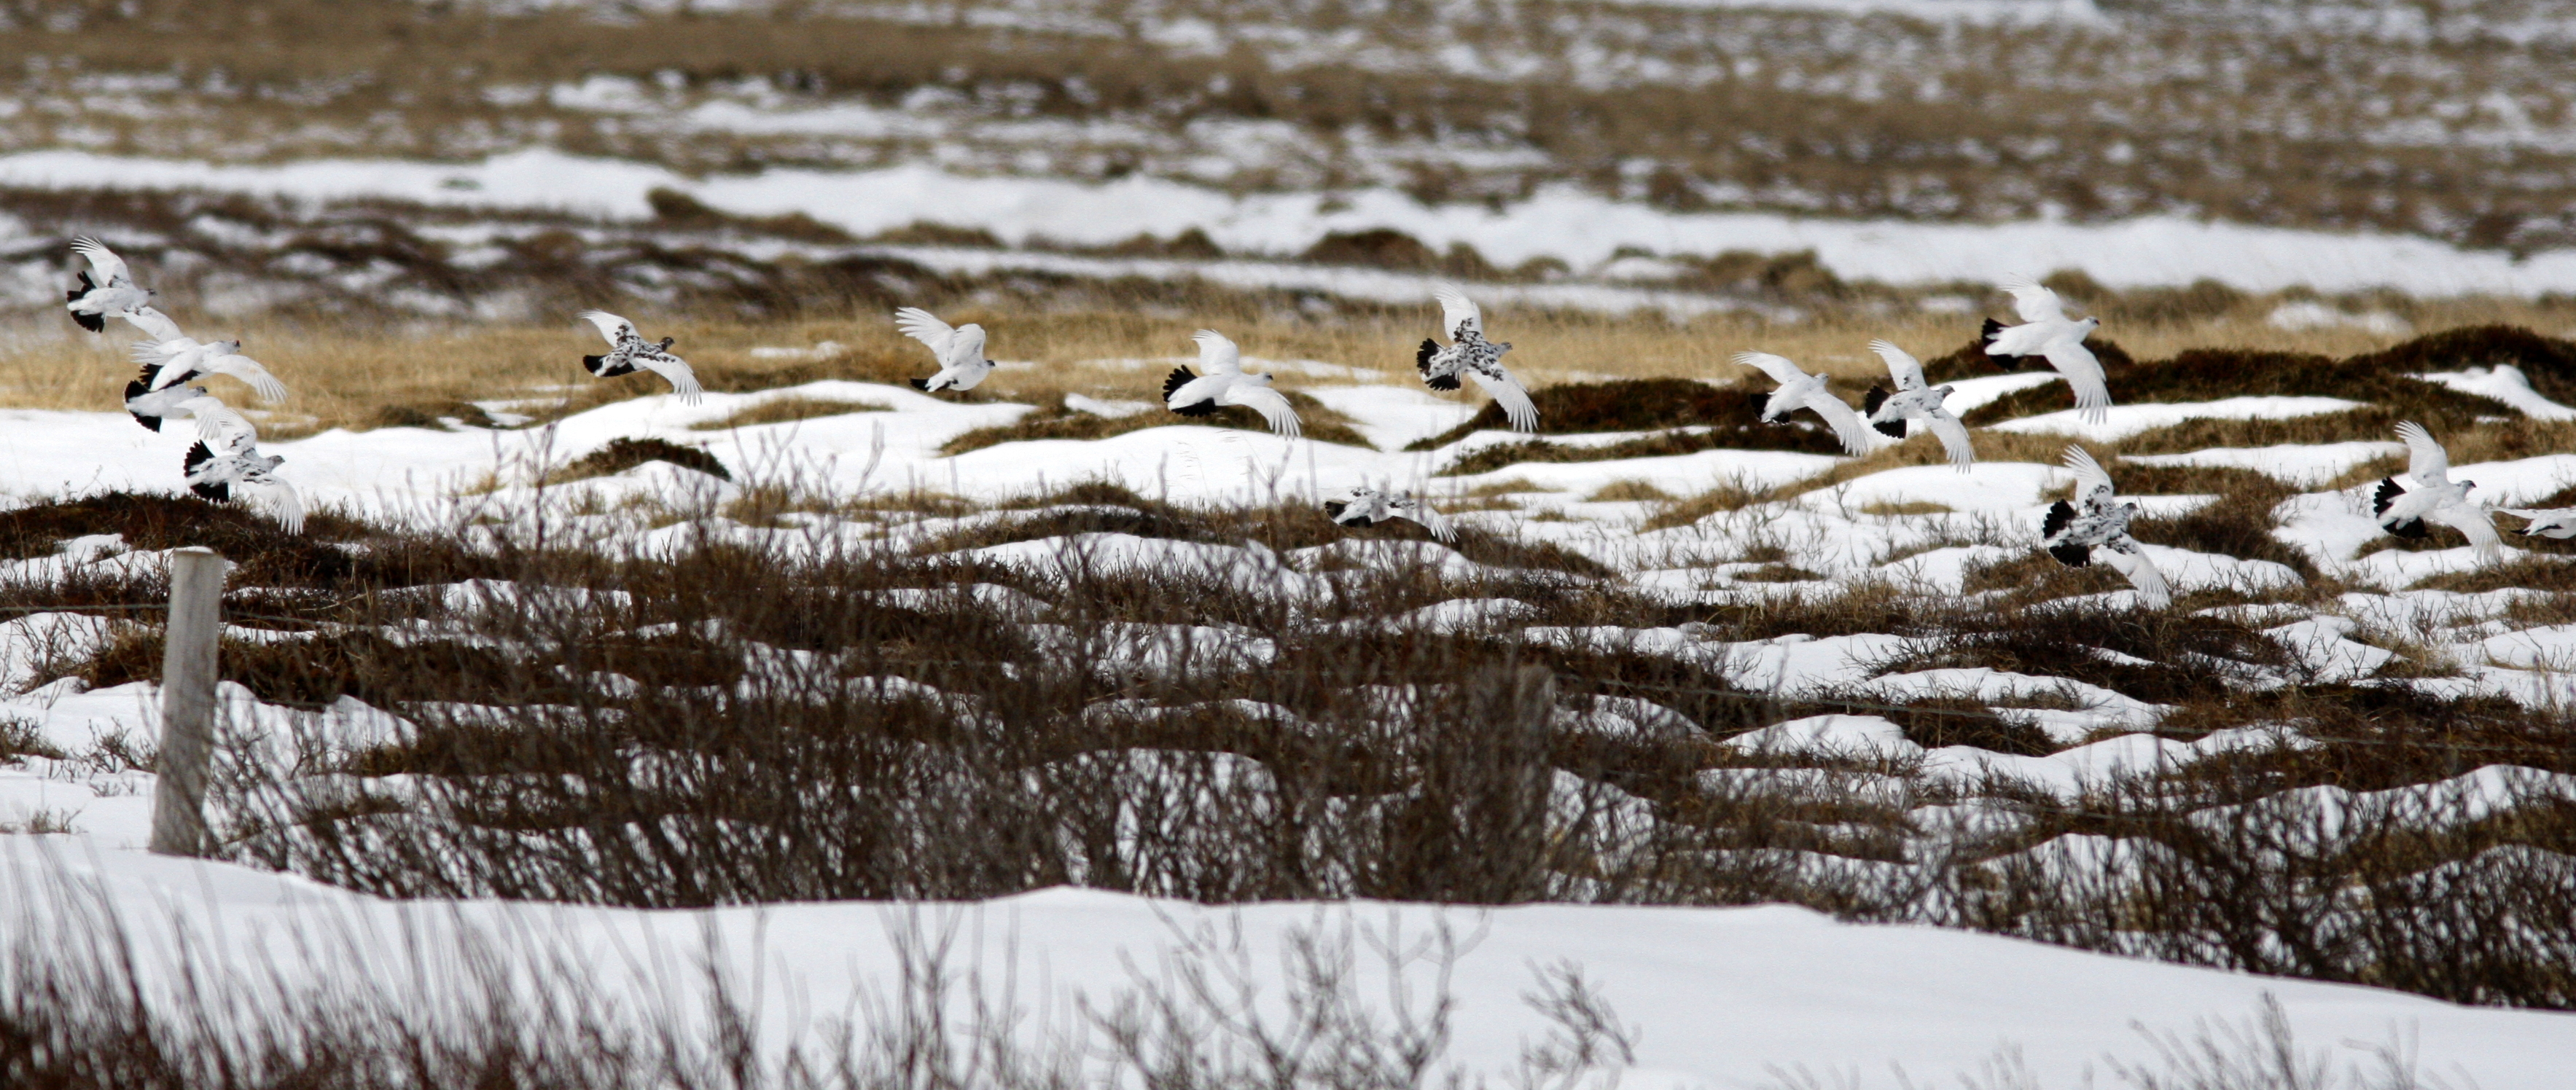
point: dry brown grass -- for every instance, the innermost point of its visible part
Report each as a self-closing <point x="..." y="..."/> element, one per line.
<point x="362" y="375"/>
<point x="2116" y="130"/>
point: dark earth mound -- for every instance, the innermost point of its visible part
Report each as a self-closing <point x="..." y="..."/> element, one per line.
<point x="1650" y="405"/>
<point x="621" y="455"/>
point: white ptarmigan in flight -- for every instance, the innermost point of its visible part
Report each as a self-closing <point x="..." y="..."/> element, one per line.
<point x="628" y="351"/>
<point x="1365" y="506"/>
<point x="153" y="408"/>
<point x="2557" y="522"/>
<point x="1915" y="401"/>
<point x="2047" y="332"/>
<point x="2435" y="497"/>
<point x="226" y="468"/>
<point x="1225" y="383"/>
<point x="2072" y="532"/>
<point x="112" y="292"/>
<point x="1800" y="390"/>
<point x="172" y="362"/>
<point x="1469" y="353"/>
<point x="959" y="350"/>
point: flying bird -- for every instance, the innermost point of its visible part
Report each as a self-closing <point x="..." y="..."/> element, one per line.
<point x="152" y="408"/>
<point x="2435" y="498"/>
<point x="1470" y="354"/>
<point x="2047" y="332"/>
<point x="1225" y="383"/>
<point x="1913" y="401"/>
<point x="168" y="363"/>
<point x="2558" y="522"/>
<point x="155" y="325"/>
<point x="959" y="349"/>
<point x="2072" y="532"/>
<point x="113" y="291"/>
<point x="223" y="474"/>
<point x="1800" y="390"/>
<point x="1366" y="506"/>
<point x="628" y="351"/>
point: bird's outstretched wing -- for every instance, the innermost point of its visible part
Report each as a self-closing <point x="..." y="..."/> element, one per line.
<point x="1779" y="368"/>
<point x="1847" y="425"/>
<point x="1218" y="354"/>
<point x="2034" y="302"/>
<point x="923" y="326"/>
<point x="2092" y="483"/>
<point x="1953" y="436"/>
<point x="684" y="381"/>
<point x="153" y="323"/>
<point x="1271" y="404"/>
<point x="2474" y="520"/>
<point x="1431" y="519"/>
<point x="248" y="370"/>
<point x="1901" y="365"/>
<point x="2124" y="557"/>
<point x="1508" y="393"/>
<point x="2083" y="375"/>
<point x="965" y="347"/>
<point x="216" y="421"/>
<point x="1457" y="310"/>
<point x="2426" y="461"/>
<point x="155" y="352"/>
<point x="282" y="496"/>
<point x="110" y="268"/>
<point x="610" y="326"/>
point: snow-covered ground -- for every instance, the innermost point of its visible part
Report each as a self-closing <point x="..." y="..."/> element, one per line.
<point x="1711" y="997"/>
<point x="1562" y="222"/>
<point x="1717" y="994"/>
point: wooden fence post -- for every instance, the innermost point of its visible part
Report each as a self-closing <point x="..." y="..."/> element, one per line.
<point x="188" y="700"/>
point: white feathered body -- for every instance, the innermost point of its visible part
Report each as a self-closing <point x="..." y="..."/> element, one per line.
<point x="959" y="350"/>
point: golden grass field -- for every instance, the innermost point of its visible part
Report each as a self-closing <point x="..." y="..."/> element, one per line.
<point x="358" y="378"/>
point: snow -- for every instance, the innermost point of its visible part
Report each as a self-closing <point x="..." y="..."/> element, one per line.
<point x="1716" y="996"/>
<point x="1862" y="736"/>
<point x="2309" y="466"/>
<point x="1560" y="221"/>
<point x="2124" y="421"/>
<point x="2506" y="383"/>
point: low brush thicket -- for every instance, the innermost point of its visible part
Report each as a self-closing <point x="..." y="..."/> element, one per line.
<point x="1096" y="689"/>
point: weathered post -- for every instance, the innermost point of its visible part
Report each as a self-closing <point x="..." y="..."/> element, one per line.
<point x="188" y="700"/>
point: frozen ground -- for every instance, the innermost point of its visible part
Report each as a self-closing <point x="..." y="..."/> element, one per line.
<point x="1582" y="229"/>
<point x="1712" y="997"/>
<point x="1705" y="986"/>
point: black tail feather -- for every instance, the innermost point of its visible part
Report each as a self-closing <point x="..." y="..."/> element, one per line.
<point x="198" y="455"/>
<point x="2411" y="530"/>
<point x="1986" y="341"/>
<point x="591" y="363"/>
<point x="2059" y="515"/>
<point x="1870" y="402"/>
<point x="2385" y="496"/>
<point x="1180" y="376"/>
<point x="1422" y="361"/>
<point x="2071" y="555"/>
<point x="922" y="384"/>
<point x="134" y="390"/>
